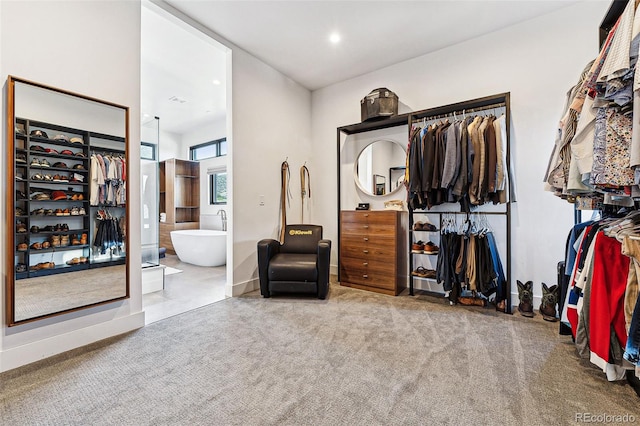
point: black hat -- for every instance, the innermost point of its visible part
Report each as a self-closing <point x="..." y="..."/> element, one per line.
<point x="40" y="133"/>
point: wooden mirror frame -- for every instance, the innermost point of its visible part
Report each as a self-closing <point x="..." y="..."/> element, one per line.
<point x="10" y="231"/>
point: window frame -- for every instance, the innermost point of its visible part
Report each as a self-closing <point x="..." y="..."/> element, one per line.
<point x="217" y="143"/>
<point x="154" y="149"/>
<point x="213" y="176"/>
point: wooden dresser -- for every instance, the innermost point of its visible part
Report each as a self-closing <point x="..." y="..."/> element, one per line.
<point x="373" y="250"/>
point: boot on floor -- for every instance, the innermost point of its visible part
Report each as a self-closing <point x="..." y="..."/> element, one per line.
<point x="549" y="302"/>
<point x="525" y="294"/>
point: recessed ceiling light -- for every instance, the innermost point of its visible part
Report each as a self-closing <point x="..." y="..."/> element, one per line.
<point x="216" y="82"/>
<point x="334" y="38"/>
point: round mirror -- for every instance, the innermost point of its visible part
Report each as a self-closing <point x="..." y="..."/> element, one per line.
<point x="380" y="167"/>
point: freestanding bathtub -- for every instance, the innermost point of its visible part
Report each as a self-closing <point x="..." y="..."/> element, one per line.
<point x="202" y="247"/>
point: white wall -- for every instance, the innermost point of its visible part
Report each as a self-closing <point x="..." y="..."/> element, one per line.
<point x="104" y="62"/>
<point x="537" y="61"/>
<point x="271" y="124"/>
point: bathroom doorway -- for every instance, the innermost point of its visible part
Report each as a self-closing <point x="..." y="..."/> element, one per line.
<point x="183" y="105"/>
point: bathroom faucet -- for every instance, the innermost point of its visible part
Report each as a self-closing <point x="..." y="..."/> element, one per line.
<point x="223" y="214"/>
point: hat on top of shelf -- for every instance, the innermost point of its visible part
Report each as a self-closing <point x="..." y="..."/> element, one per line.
<point x="76" y="140"/>
<point x="66" y="152"/>
<point x="40" y="133"/>
<point x="61" y="138"/>
<point x="58" y="195"/>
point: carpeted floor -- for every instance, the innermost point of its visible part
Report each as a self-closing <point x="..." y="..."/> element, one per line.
<point x="357" y="358"/>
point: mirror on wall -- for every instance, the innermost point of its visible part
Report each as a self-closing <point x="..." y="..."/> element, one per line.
<point x="67" y="204"/>
<point x="379" y="168"/>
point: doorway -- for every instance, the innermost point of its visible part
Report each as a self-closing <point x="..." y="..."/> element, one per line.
<point x="183" y="107"/>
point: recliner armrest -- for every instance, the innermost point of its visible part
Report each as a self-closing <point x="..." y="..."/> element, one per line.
<point x="324" y="261"/>
<point x="267" y="248"/>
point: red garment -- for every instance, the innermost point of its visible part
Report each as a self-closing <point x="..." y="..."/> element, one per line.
<point x="610" y="271"/>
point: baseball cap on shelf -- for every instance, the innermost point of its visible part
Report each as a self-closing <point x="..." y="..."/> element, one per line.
<point x="39" y="133"/>
<point x="76" y="139"/>
<point x="61" y="138"/>
<point x="58" y="195"/>
<point x="66" y="152"/>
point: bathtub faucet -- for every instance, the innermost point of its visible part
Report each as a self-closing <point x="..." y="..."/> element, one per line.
<point x="223" y="214"/>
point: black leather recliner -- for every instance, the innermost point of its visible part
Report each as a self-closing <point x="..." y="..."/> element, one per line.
<point x="300" y="265"/>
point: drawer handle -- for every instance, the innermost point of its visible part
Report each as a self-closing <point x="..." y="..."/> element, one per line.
<point x="366" y="239"/>
<point x="365" y="276"/>
<point x="365" y="263"/>
<point x="366" y="215"/>
<point x="365" y="251"/>
<point x="366" y="226"/>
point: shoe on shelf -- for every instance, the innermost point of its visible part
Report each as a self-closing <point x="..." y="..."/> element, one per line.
<point x="423" y="272"/>
<point x="36" y="246"/>
<point x="417" y="226"/>
<point x="46" y="244"/>
<point x="22" y="247"/>
<point x="35" y="229"/>
<point x="35" y="162"/>
<point x="19" y="212"/>
<point x="55" y="240"/>
<point x="417" y="247"/>
<point x="21" y="267"/>
<point x="429" y="227"/>
<point x="64" y="240"/>
<point x="83" y="239"/>
<point x="431" y="248"/>
<point x="21" y="228"/>
<point x="64" y="227"/>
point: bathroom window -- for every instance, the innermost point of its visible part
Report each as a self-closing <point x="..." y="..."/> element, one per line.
<point x="218" y="188"/>
<point x="147" y="151"/>
<point x="212" y="149"/>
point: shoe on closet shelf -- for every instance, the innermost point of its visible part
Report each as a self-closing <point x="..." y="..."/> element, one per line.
<point x="431" y="248"/>
<point x="429" y="227"/>
<point x="417" y="247"/>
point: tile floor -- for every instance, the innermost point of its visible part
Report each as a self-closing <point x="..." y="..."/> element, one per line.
<point x="194" y="287"/>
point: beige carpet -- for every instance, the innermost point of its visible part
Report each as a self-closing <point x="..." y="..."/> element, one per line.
<point x="357" y="358"/>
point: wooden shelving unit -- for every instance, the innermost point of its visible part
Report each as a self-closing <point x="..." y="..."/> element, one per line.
<point x="179" y="198"/>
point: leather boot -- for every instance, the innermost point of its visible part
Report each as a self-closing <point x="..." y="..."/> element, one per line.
<point x="525" y="294"/>
<point x="549" y="302"/>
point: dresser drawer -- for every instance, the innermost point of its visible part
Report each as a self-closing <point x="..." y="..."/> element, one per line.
<point x="367" y="278"/>
<point x="364" y="229"/>
<point x="365" y="265"/>
<point x="386" y="252"/>
<point x="369" y="217"/>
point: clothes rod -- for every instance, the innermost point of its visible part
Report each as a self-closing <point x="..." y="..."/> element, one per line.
<point x="461" y="112"/>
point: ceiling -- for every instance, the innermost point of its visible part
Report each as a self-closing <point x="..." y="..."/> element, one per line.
<point x="293" y="37"/>
<point x="178" y="68"/>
